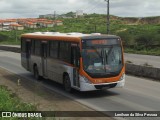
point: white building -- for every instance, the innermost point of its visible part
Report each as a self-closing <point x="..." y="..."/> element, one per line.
<point x="79" y="13"/>
<point x="16" y="27"/>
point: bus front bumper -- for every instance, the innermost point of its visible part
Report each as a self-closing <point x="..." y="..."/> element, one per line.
<point x="86" y="86"/>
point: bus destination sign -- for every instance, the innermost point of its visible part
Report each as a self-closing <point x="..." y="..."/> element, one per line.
<point x="102" y="42"/>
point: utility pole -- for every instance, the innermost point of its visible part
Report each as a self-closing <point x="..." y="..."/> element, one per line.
<point x="55" y="23"/>
<point x="15" y="33"/>
<point x="54" y="15"/>
<point x="108" y="17"/>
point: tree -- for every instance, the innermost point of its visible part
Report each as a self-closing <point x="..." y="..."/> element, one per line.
<point x="3" y="37"/>
<point x="126" y="38"/>
<point x="146" y="39"/>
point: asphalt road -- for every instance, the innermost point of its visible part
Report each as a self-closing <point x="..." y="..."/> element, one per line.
<point x="143" y="59"/>
<point x="139" y="94"/>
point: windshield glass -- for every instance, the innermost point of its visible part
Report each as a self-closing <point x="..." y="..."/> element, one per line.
<point x="102" y="61"/>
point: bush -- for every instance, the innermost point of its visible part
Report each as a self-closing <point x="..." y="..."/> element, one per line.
<point x="145" y="39"/>
<point x="8" y="102"/>
<point x="3" y="37"/>
<point x="126" y="38"/>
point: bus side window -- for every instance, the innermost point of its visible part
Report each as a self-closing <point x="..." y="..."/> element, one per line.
<point x="23" y="45"/>
<point x="33" y="47"/>
<point x="64" y="51"/>
<point x="38" y="48"/>
<point x="28" y="48"/>
<point x="53" y="49"/>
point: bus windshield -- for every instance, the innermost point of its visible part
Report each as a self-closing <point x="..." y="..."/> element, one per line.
<point x="102" y="61"/>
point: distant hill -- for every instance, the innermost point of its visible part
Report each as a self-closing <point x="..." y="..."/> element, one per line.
<point x="131" y="20"/>
<point x="124" y="20"/>
<point x="145" y="20"/>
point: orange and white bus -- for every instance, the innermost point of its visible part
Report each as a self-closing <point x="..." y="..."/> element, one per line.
<point x="80" y="61"/>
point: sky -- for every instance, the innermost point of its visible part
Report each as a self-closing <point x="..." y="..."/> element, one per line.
<point x="34" y="8"/>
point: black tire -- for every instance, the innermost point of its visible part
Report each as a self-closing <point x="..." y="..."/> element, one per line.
<point x="67" y="84"/>
<point x="36" y="73"/>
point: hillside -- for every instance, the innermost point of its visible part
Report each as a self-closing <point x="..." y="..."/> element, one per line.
<point x="145" y="20"/>
<point x="139" y="35"/>
<point x="126" y="20"/>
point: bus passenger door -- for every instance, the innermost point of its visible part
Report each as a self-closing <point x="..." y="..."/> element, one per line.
<point x="75" y="62"/>
<point x="44" y="58"/>
<point x="28" y="53"/>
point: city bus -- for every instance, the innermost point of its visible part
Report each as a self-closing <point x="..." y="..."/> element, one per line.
<point x="84" y="62"/>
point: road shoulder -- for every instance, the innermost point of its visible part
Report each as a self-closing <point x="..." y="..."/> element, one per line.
<point x="45" y="100"/>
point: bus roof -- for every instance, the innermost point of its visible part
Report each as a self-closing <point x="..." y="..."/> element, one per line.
<point x="74" y="36"/>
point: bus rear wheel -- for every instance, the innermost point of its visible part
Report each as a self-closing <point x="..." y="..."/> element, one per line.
<point x="67" y="83"/>
<point x="36" y="73"/>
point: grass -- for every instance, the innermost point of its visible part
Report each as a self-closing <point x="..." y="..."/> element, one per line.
<point x="154" y="51"/>
<point x="9" y="102"/>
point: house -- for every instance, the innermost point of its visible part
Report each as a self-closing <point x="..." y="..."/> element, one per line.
<point x="19" y="24"/>
<point x="10" y="21"/>
<point x="21" y="21"/>
<point x="48" y="24"/>
<point x="30" y="25"/>
<point x="16" y="27"/>
<point x="58" y="22"/>
<point x="40" y="22"/>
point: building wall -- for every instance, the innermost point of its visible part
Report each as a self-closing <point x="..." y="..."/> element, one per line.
<point x="49" y="25"/>
<point x="59" y="23"/>
<point x="20" y="28"/>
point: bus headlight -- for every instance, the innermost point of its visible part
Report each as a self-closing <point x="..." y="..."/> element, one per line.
<point x="84" y="79"/>
<point x="122" y="77"/>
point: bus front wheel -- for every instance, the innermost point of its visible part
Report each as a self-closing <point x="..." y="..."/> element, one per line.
<point x="67" y="83"/>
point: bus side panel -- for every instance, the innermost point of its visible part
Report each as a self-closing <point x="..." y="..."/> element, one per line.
<point x="56" y="70"/>
<point x="23" y="60"/>
<point x="36" y="60"/>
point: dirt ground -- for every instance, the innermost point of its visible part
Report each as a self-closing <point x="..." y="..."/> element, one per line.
<point x="45" y="100"/>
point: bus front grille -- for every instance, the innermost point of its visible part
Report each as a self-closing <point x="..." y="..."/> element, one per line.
<point x="105" y="86"/>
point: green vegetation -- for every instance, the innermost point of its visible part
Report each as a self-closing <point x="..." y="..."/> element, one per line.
<point x="140" y="36"/>
<point x="13" y="37"/>
<point x="9" y="102"/>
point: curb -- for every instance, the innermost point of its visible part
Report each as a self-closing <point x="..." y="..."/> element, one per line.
<point x="143" y="71"/>
<point x="9" y="48"/>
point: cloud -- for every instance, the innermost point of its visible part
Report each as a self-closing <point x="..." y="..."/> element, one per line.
<point x="33" y="8"/>
<point x="136" y="8"/>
